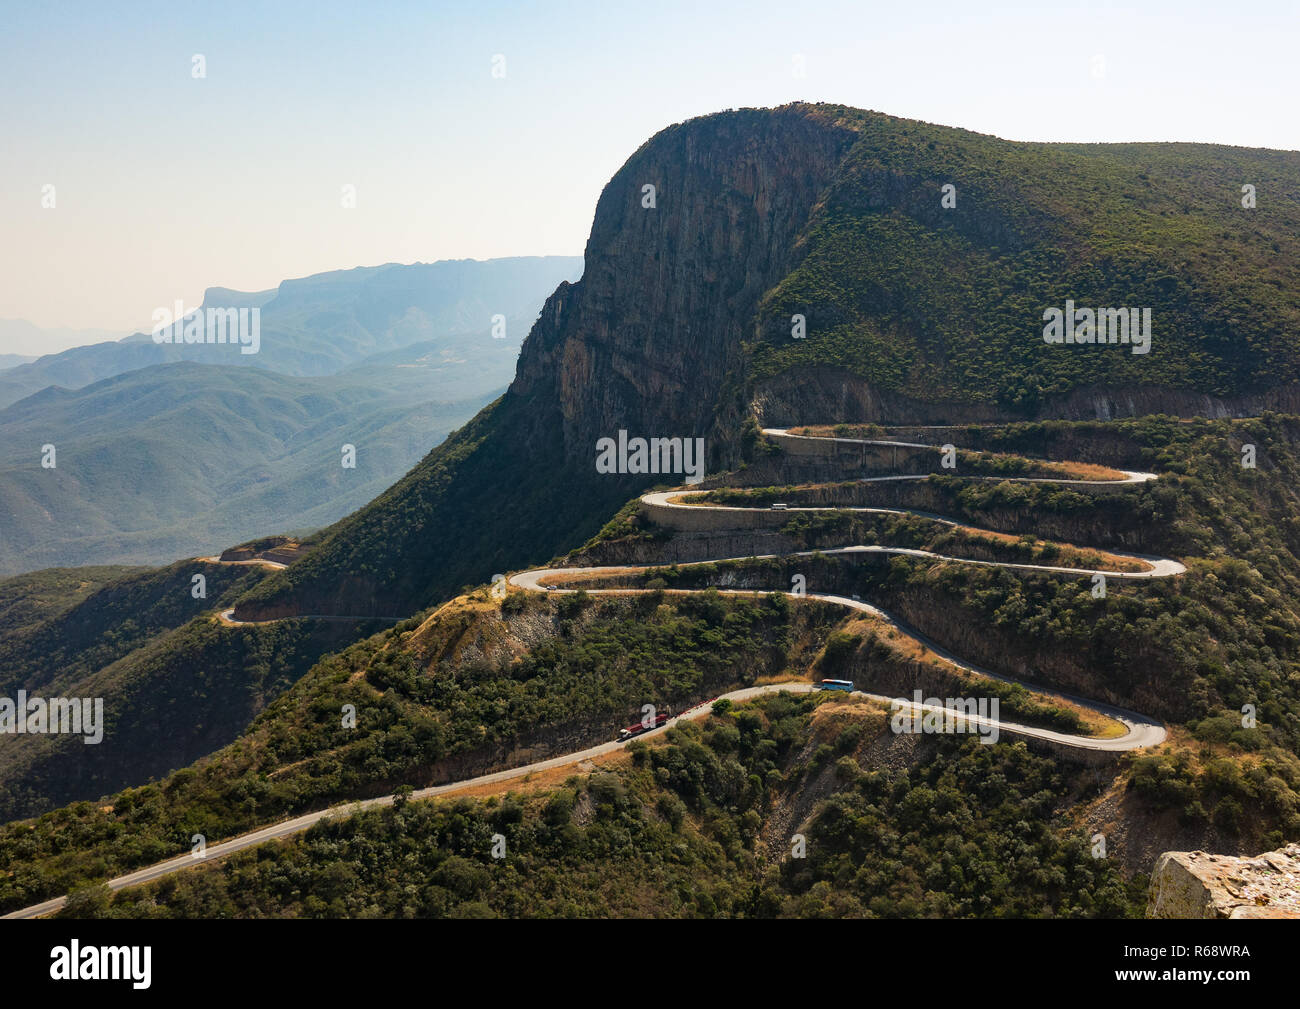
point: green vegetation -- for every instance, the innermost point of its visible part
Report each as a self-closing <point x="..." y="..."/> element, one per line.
<point x="948" y="304"/>
<point x="1196" y="650"/>
<point x="175" y="684"/>
<point x="446" y="698"/>
<point x="1247" y="789"/>
<point x="107" y="624"/>
<point x="27" y="600"/>
<point x="421" y="720"/>
<point x="628" y="523"/>
<point x="828" y="529"/>
<point x="689" y="829"/>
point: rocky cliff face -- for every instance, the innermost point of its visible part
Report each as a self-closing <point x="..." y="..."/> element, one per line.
<point x="815" y="395"/>
<point x="645" y="339"/>
<point x="1193" y="884"/>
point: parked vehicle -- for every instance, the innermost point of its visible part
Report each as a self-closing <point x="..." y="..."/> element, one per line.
<point x="780" y="506"/>
<point x="845" y="685"/>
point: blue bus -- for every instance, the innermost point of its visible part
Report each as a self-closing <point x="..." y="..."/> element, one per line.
<point x="846" y="685"/>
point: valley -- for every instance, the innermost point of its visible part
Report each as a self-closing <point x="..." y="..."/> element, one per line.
<point x="390" y="360"/>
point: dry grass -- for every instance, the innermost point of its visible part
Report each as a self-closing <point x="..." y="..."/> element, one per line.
<point x="1082" y="470"/>
<point x="540" y="781"/>
<point x="1095" y="724"/>
<point x="577" y="575"/>
<point x="1068" y="556"/>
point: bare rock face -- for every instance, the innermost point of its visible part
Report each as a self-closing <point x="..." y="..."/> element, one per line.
<point x="674" y="273"/>
<point x="1194" y="884"/>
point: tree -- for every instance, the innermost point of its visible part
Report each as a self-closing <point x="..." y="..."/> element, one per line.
<point x="89" y="901"/>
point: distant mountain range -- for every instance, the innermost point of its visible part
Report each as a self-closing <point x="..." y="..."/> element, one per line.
<point x="321" y="324"/>
<point x="389" y="359"/>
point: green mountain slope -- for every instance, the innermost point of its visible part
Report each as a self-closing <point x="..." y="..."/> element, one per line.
<point x="239" y="452"/>
<point x="945" y="305"/>
<point x="481" y="684"/>
<point x="175" y="685"/>
<point x="696" y="828"/>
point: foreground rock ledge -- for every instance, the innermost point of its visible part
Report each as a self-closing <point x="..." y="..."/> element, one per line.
<point x="1193" y="884"/>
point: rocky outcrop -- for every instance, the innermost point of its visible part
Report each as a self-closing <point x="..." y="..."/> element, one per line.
<point x="824" y="395"/>
<point x="1194" y="884"/>
<point x="279" y="549"/>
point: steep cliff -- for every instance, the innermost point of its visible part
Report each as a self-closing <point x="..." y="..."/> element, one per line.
<point x="645" y="339"/>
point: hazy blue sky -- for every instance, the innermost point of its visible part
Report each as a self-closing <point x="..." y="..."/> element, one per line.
<point x="167" y="184"/>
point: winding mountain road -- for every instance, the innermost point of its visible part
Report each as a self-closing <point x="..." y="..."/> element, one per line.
<point x="1141" y="730"/>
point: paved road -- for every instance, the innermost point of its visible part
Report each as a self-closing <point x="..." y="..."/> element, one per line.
<point x="1156" y="567"/>
<point x="297" y="825"/>
<point x="1142" y="729"/>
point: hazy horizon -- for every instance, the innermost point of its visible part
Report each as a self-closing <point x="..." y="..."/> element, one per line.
<point x="15" y="340"/>
<point x="166" y="183"/>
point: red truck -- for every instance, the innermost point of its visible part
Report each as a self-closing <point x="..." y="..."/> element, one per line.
<point x="636" y="730"/>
